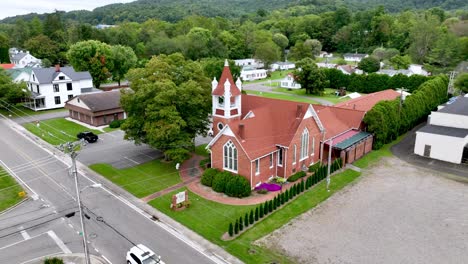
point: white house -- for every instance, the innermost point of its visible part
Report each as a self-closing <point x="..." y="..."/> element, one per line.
<point x="412" y="70"/>
<point x="324" y="54"/>
<point x="418" y="69"/>
<point x="251" y="74"/>
<point x="252" y="63"/>
<point x="279" y="65"/>
<point x="23" y="59"/>
<point x="20" y="74"/>
<point x="356" y="57"/>
<point x="289" y="82"/>
<point x="445" y="137"/>
<point x="326" y="65"/>
<point x="52" y="87"/>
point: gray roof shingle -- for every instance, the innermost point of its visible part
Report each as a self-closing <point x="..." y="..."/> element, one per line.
<point x="459" y="107"/>
<point x="46" y="75"/>
<point x="101" y="101"/>
<point x="445" y="131"/>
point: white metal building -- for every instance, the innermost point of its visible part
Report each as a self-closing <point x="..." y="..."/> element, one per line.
<point x="445" y="137"/>
<point x="289" y="82"/>
<point x="250" y="74"/>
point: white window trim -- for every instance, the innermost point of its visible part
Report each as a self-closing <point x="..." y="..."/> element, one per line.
<point x="257" y="166"/>
<point x="225" y="167"/>
<point x="271" y="160"/>
<point x="294" y="154"/>
<point x="304" y="145"/>
<point x="278" y="158"/>
<point x="313" y="147"/>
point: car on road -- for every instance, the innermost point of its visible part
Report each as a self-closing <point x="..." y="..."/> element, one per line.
<point x="89" y="136"/>
<point x="140" y="254"/>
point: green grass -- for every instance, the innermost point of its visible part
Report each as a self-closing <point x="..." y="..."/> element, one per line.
<point x="19" y="111"/>
<point x="276" y="75"/>
<point x="141" y="180"/>
<point x="375" y="155"/>
<point x="283" y="97"/>
<point x="211" y="219"/>
<point x="108" y="129"/>
<point x="329" y="94"/>
<point x="200" y="150"/>
<point x="9" y="190"/>
<point x="57" y="131"/>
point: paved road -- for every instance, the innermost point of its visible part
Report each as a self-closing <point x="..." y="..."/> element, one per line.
<point x="263" y="88"/>
<point x="405" y="151"/>
<point x="40" y="117"/>
<point x="114" y="225"/>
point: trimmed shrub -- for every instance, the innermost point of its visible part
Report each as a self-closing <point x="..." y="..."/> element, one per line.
<point x="246" y="220"/>
<point x="251" y="217"/>
<point x="265" y="208"/>
<point x="278" y="203"/>
<point x="261" y="210"/>
<point x="270" y="206"/>
<point x="231" y="230"/>
<point x="302" y="186"/>
<point x="256" y="213"/>
<point x="116" y="123"/>
<point x="220" y="180"/>
<point x="237" y="186"/>
<point x="236" y="227"/>
<point x="274" y="204"/>
<point x="290" y="196"/>
<point x="314" y="167"/>
<point x="208" y="176"/>
<point x="241" y="224"/>
<point x="53" y="260"/>
<point x="296" y="176"/>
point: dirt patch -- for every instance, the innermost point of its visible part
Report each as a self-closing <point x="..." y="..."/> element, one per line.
<point x="396" y="213"/>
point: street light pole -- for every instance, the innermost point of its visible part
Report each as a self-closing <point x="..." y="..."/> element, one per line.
<point x="329" y="164"/>
<point x="75" y="174"/>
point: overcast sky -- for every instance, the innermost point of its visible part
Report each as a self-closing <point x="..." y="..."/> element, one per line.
<point x="21" y="7"/>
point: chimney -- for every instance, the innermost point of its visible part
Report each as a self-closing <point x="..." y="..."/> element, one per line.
<point x="241" y="131"/>
<point x="57" y="67"/>
<point x="299" y="111"/>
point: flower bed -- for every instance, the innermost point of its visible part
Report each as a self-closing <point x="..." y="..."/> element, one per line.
<point x="271" y="187"/>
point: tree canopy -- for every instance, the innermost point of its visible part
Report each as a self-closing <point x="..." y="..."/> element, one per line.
<point x="10" y="92"/>
<point x="168" y="105"/>
<point x="311" y="78"/>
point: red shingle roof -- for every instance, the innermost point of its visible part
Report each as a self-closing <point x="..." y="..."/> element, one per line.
<point x="7" y="66"/>
<point x="226" y="75"/>
<point x="366" y="102"/>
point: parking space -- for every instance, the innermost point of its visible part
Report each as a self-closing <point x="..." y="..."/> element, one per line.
<point x="113" y="149"/>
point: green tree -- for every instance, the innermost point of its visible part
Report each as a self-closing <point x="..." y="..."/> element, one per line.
<point x="93" y="56"/>
<point x="43" y="47"/>
<point x="246" y="220"/>
<point x="35" y="27"/>
<point x="168" y="105"/>
<point x="10" y="92"/>
<point x="311" y="78"/>
<point x="251" y="217"/>
<point x="400" y="62"/>
<point x="461" y="82"/>
<point x="423" y="35"/>
<point x="213" y="67"/>
<point x="369" y="64"/>
<point x="241" y="224"/>
<point x="236" y="227"/>
<point x="231" y="230"/>
<point x="124" y="59"/>
<point x="54" y="260"/>
<point x="256" y="214"/>
<point x="446" y="51"/>
<point x="198" y="43"/>
<point x="20" y="33"/>
<point x="268" y="53"/>
<point x="4" y="46"/>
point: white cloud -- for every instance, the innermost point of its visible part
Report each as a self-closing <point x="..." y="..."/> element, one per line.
<point x="21" y="7"/>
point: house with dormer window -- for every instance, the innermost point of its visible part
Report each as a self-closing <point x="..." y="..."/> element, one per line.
<point x="261" y="138"/>
<point x="52" y="87"/>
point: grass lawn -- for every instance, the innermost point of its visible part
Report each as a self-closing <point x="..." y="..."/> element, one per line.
<point x="211" y="219"/>
<point x="283" y="97"/>
<point x="200" y="150"/>
<point x="141" y="180"/>
<point x="276" y="75"/>
<point x="9" y="190"/>
<point x="375" y="155"/>
<point x="108" y="129"/>
<point x="57" y="131"/>
<point x="19" y="110"/>
<point x="329" y="94"/>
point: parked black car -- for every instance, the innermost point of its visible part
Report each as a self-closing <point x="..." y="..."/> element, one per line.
<point x="89" y="136"/>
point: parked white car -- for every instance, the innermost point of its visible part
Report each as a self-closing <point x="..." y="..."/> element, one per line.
<point x="140" y="254"/>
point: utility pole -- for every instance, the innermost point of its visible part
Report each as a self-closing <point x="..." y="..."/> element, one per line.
<point x="329" y="164"/>
<point x="450" y="88"/>
<point x="70" y="149"/>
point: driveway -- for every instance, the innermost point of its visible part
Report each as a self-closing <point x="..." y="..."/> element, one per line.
<point x="112" y="149"/>
<point x="396" y="213"/>
<point x="40" y="117"/>
<point x="405" y="151"/>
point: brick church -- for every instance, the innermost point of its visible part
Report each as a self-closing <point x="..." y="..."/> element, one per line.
<point x="260" y="138"/>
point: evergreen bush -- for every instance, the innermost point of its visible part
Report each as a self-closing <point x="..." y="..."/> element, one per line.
<point x="246" y="220"/>
<point x="296" y="176"/>
<point x="251" y="217"/>
<point x="237" y="186"/>
<point x="270" y="206"/>
<point x="220" y="180"/>
<point x="236" y="227"/>
<point x="231" y="230"/>
<point x="256" y="213"/>
<point x="241" y="224"/>
<point x="265" y="208"/>
<point x="261" y="210"/>
<point x="208" y="176"/>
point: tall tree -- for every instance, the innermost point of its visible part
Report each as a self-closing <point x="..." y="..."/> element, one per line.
<point x="268" y="53"/>
<point x="446" y="51"/>
<point x="4" y="46"/>
<point x="214" y="67"/>
<point x="43" y="47"/>
<point x="10" y="92"/>
<point x="311" y="78"/>
<point x="461" y="82"/>
<point x="168" y="105"/>
<point x="93" y="56"/>
<point x="422" y="36"/>
<point x="123" y="59"/>
<point x="35" y="27"/>
<point x="369" y="64"/>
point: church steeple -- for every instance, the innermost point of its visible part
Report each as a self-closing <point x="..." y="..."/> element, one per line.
<point x="227" y="98"/>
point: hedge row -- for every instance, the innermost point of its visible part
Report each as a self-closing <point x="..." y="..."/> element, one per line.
<point x="116" y="123"/>
<point x="373" y="82"/>
<point x="269" y="206"/>
<point x="296" y="176"/>
<point x="226" y="182"/>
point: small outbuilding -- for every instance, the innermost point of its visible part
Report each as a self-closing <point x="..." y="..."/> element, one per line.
<point x="96" y="109"/>
<point x="445" y="137"/>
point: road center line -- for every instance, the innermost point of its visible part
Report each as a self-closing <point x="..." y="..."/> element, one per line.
<point x="59" y="242"/>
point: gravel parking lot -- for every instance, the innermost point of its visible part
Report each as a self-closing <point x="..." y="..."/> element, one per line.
<point x="396" y="213"/>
